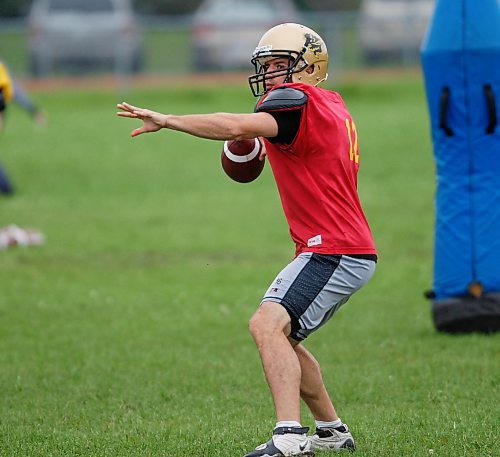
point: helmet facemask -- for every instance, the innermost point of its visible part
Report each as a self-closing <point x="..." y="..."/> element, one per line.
<point x="259" y="60"/>
<point x="304" y="48"/>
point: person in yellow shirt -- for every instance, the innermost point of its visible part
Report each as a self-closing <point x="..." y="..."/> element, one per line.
<point x="10" y="91"/>
<point x="6" y="91"/>
<point x="5" y="97"/>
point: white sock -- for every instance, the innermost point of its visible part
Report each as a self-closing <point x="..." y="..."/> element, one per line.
<point x="287" y="424"/>
<point x="323" y="424"/>
<point x="289" y="443"/>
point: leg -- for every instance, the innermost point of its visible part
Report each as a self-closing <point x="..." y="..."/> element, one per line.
<point x="312" y="388"/>
<point x="314" y="393"/>
<point x="5" y="186"/>
<point x="269" y="327"/>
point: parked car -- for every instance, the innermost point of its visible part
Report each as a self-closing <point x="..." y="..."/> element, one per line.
<point x="83" y="33"/>
<point x="226" y="32"/>
<point x="393" y="29"/>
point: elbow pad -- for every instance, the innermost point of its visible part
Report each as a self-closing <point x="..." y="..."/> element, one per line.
<point x="282" y="98"/>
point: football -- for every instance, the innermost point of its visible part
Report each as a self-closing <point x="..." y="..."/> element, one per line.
<point x="240" y="159"/>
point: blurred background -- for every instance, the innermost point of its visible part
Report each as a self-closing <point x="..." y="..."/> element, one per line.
<point x="70" y="38"/>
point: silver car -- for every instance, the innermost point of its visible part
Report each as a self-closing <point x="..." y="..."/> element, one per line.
<point x="83" y="33"/>
<point x="393" y="29"/>
<point x="226" y="32"/>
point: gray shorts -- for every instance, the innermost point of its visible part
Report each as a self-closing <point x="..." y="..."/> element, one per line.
<point x="313" y="287"/>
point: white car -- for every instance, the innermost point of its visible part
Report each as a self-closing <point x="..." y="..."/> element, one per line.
<point x="83" y="33"/>
<point x="226" y="32"/>
<point x="393" y="28"/>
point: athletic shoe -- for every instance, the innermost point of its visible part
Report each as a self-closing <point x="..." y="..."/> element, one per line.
<point x="12" y="235"/>
<point x="286" y="442"/>
<point x="333" y="439"/>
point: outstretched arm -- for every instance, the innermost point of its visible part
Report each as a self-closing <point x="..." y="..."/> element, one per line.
<point x="24" y="101"/>
<point x="214" y="126"/>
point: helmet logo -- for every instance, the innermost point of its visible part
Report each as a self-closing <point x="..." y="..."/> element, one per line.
<point x="313" y="44"/>
<point x="263" y="50"/>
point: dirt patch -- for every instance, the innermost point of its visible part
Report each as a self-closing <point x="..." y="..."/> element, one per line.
<point x="114" y="82"/>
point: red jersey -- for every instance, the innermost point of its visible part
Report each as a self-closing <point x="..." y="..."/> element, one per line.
<point x="316" y="177"/>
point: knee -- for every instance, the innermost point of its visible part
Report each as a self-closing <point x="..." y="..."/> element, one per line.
<point x="269" y="320"/>
<point x="257" y="326"/>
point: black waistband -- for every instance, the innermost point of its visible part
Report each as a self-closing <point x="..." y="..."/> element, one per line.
<point x="364" y="256"/>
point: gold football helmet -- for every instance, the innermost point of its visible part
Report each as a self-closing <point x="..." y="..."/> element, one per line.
<point x="304" y="48"/>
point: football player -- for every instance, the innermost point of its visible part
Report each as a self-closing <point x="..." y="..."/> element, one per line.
<point x="312" y="146"/>
<point x="5" y="97"/>
<point x="5" y="91"/>
<point x="11" y="91"/>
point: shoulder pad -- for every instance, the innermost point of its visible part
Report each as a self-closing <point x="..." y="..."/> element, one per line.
<point x="282" y="98"/>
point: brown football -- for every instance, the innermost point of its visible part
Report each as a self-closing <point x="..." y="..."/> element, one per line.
<point x="240" y="159"/>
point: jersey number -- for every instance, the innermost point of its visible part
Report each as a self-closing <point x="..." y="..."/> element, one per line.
<point x="353" y="140"/>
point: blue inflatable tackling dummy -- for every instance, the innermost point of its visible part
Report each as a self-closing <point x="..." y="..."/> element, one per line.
<point x="461" y="63"/>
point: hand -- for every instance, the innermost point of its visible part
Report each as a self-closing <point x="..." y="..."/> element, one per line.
<point x="152" y="121"/>
<point x="263" y="152"/>
<point x="39" y="118"/>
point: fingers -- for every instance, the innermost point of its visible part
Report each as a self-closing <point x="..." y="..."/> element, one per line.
<point x="134" y="112"/>
<point x="129" y="110"/>
<point x="126" y="114"/>
<point x="137" y="132"/>
<point x="127" y="106"/>
<point x="263" y="153"/>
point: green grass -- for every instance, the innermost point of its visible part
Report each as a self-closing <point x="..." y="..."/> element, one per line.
<point x="126" y="333"/>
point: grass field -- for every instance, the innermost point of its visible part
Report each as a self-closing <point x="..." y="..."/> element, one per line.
<point x="126" y="333"/>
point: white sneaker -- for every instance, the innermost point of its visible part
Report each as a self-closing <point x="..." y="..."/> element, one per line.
<point x="333" y="439"/>
<point x="286" y="442"/>
<point x="12" y="235"/>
